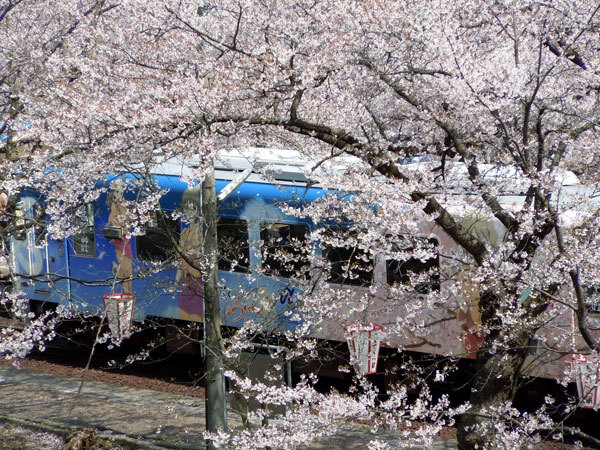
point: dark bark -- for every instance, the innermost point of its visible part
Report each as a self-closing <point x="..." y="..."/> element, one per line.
<point x="497" y="373"/>
<point x="497" y="370"/>
<point x="494" y="384"/>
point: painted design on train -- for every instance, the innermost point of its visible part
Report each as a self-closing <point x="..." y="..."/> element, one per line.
<point x="190" y="300"/>
<point x="4" y="256"/>
<point x="123" y="267"/>
<point x="468" y="313"/>
<point x="3" y="203"/>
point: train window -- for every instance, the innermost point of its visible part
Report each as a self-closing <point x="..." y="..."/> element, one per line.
<point x="156" y="245"/>
<point x="284" y="251"/>
<point x="21" y="231"/>
<point x="424" y="274"/>
<point x="349" y="264"/>
<point x="39" y="225"/>
<point x="592" y="299"/>
<point x="84" y="242"/>
<point x="234" y="253"/>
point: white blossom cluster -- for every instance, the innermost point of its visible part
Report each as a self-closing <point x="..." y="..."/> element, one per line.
<point x="460" y="122"/>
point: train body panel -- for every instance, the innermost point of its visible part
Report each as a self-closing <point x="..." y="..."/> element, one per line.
<point x="77" y="272"/>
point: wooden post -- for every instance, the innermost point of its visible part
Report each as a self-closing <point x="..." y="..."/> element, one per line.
<point x="215" y="382"/>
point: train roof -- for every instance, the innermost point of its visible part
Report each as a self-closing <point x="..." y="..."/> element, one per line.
<point x="285" y="166"/>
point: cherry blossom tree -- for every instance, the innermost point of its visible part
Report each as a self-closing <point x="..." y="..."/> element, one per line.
<point x="467" y="87"/>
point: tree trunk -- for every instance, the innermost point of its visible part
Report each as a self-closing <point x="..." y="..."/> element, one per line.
<point x="496" y="378"/>
<point x="215" y="383"/>
<point x="494" y="385"/>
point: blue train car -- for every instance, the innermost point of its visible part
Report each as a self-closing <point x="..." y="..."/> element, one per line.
<point x="107" y="255"/>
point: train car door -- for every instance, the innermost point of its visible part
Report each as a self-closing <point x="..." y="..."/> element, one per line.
<point x="40" y="262"/>
<point x="58" y="270"/>
<point x="28" y="258"/>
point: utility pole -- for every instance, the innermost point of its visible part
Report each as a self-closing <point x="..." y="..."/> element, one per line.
<point x="215" y="380"/>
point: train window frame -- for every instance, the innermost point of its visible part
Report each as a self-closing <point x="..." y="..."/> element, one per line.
<point x="85" y="216"/>
<point x="270" y="263"/>
<point x="239" y="241"/>
<point x="146" y="246"/>
<point x="425" y="266"/>
<point x="357" y="256"/>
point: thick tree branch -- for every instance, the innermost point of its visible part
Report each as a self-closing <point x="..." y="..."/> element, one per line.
<point x="581" y="310"/>
<point x="344" y="141"/>
<point x="506" y="218"/>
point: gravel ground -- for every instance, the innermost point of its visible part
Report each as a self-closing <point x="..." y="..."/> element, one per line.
<point x="13" y="436"/>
